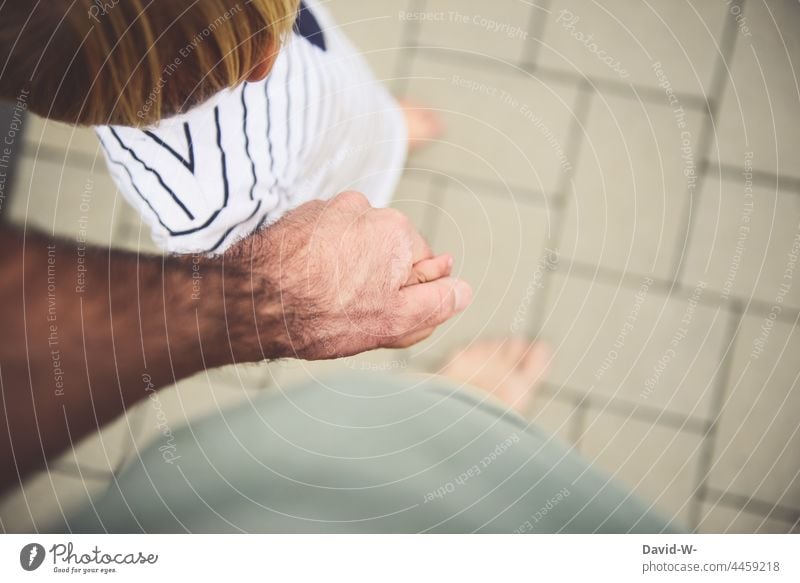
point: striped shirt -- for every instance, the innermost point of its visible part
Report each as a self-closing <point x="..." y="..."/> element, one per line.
<point x="320" y="123"/>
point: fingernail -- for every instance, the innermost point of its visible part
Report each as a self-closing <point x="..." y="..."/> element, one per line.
<point x="449" y="261"/>
<point x="463" y="293"/>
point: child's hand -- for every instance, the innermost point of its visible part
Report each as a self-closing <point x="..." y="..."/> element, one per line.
<point x="430" y="269"/>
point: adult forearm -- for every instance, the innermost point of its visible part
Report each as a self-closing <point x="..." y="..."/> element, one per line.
<point x="87" y="331"/>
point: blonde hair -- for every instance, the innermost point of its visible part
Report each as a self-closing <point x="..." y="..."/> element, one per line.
<point x="133" y="62"/>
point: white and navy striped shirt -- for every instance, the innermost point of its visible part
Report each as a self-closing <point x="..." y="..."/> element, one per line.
<point x="320" y="123"/>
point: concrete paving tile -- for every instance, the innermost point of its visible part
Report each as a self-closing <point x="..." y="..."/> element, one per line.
<point x="494" y="29"/>
<point x="636" y="173"/>
<point x="502" y="126"/>
<point x="418" y="196"/>
<point x="760" y="110"/>
<point x="556" y="416"/>
<point x="621" y="40"/>
<point x="376" y="28"/>
<point x="745" y="241"/>
<point x="757" y="444"/>
<point x="44" y="500"/>
<point x="719" y="519"/>
<point x="636" y="345"/>
<point x="71" y="201"/>
<point x="497" y="243"/>
<point x="53" y="135"/>
<point x="659" y="464"/>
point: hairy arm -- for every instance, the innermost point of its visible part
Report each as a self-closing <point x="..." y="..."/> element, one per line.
<point x="87" y="331"/>
<point x="84" y="329"/>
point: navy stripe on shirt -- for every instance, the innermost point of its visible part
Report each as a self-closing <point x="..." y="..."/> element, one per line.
<point x="307" y="26"/>
<point x="128" y="149"/>
<point x="189" y="164"/>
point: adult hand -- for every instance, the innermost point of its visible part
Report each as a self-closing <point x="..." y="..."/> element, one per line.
<point x="344" y="278"/>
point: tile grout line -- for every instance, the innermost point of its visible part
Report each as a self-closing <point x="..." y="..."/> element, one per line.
<point x="717" y="407"/>
<point x="754" y="505"/>
<point x="661" y="417"/>
<point x="495" y="189"/>
<point x="574" y="141"/>
<point x="535" y="34"/>
<point x="648" y="94"/>
<point x="759" y="177"/>
<point x="610" y="86"/>
<point x="719" y="81"/>
<point x="410" y="39"/>
<point x="756" y="307"/>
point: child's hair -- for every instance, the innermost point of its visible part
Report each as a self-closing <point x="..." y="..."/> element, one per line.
<point x="133" y="62"/>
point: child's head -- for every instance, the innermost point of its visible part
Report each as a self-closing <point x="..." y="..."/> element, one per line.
<point x="133" y="62"/>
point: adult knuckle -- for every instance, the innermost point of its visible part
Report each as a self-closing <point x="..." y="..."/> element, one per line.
<point x="397" y="218"/>
<point x="351" y="198"/>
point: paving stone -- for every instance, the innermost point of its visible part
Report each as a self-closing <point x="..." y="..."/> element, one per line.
<point x="757" y="445"/>
<point x="56" y="136"/>
<point x="497" y="30"/>
<point x="760" y="110"/>
<point x="635" y="344"/>
<point x="418" y="196"/>
<point x="745" y="241"/>
<point x="44" y="500"/>
<point x="632" y="186"/>
<point x="502" y="126"/>
<point x="621" y="41"/>
<point x="658" y="463"/>
<point x="377" y="30"/>
<point x="719" y="519"/>
<point x="556" y="416"/>
<point x="67" y="200"/>
<point x="498" y="246"/>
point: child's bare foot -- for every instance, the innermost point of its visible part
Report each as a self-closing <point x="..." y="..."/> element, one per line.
<point x="509" y="369"/>
<point x="423" y="124"/>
